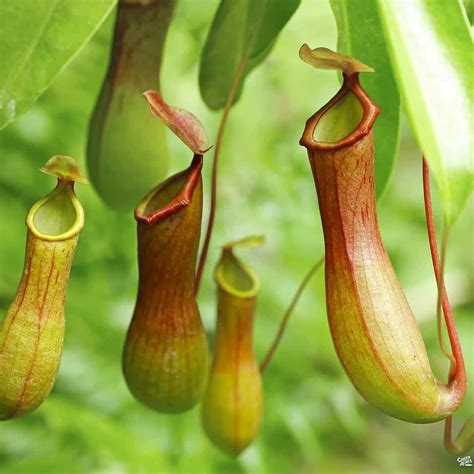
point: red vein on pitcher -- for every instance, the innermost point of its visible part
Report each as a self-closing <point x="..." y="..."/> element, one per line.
<point x="373" y="328"/>
<point x="165" y="358"/>
<point x="32" y="332"/>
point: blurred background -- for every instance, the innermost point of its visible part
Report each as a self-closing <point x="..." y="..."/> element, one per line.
<point x="315" y="422"/>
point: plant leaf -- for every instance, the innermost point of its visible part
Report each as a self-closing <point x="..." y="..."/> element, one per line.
<point x="361" y="35"/>
<point x="241" y="36"/>
<point x="431" y="50"/>
<point x="469" y="8"/>
<point x="37" y="40"/>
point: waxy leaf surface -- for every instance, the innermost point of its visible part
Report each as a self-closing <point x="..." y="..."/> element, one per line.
<point x="431" y="49"/>
<point x="361" y="35"/>
<point x="241" y="36"/>
<point x="37" y="39"/>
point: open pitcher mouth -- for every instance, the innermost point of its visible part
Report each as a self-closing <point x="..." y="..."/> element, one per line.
<point x="232" y="275"/>
<point x="171" y="196"/>
<point x="343" y="121"/>
<point x="58" y="216"/>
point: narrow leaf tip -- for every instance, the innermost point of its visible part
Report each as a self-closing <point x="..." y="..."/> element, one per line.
<point x="324" y="58"/>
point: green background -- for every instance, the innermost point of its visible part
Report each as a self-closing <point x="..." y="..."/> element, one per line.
<point x="315" y="422"/>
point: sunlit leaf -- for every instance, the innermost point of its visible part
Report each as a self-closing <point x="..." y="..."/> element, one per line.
<point x="430" y="46"/>
<point x="37" y="39"/>
<point x="360" y="35"/>
<point x="241" y="36"/>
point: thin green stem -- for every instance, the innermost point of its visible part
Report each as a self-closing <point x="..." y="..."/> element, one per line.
<point x="465" y="439"/>
<point x="288" y="313"/>
<point x="225" y="115"/>
<point x="217" y="149"/>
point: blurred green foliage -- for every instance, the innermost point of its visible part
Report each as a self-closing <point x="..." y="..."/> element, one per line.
<point x="314" y="419"/>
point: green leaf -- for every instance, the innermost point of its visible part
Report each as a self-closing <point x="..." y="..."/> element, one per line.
<point x="469" y="7"/>
<point x="37" y="40"/>
<point x="431" y="50"/>
<point x="361" y="35"/>
<point x="241" y="36"/>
